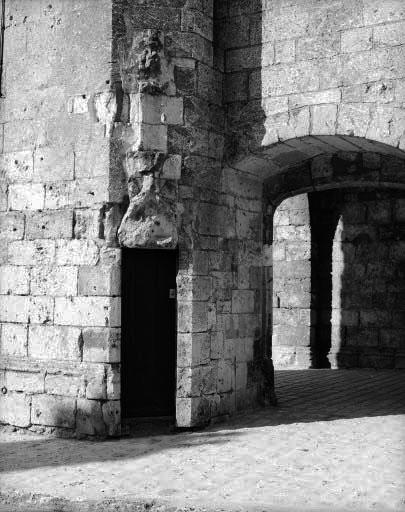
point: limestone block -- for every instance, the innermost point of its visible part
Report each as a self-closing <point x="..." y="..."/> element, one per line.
<point x="210" y="86"/>
<point x="283" y="357"/>
<point x="285" y="79"/>
<point x="92" y="158"/>
<point x="14" y="308"/>
<point x="15" y="409"/>
<point x="29" y="196"/>
<point x="87" y="223"/>
<point x="112" y="417"/>
<point x="381" y="12"/>
<point x="54" y="224"/>
<point x="357" y="40"/>
<point x="297" y="251"/>
<point x="244" y="58"/>
<point x="96" y="388"/>
<point x="243" y="301"/>
<point x="284" y="51"/>
<point x="101" y="345"/>
<point x="33" y="253"/>
<point x="54" y="281"/>
<point x="226" y="376"/>
<point x="65" y="385"/>
<point x="40" y="310"/>
<point x="53" y="164"/>
<point x="79" y="193"/>
<point x="325" y="46"/>
<point x="99" y="280"/>
<point x="54" y="342"/>
<point x="53" y="411"/>
<point x="197" y="22"/>
<point x="291" y="336"/>
<point x="11" y="226"/>
<point x="151" y="218"/>
<point x="217" y="345"/>
<point x="189" y="45"/>
<point x="172" y="168"/>
<point x="14" y="340"/>
<point x="324" y="119"/>
<point x="76" y="252"/>
<point x="156" y="110"/>
<point x="194" y="287"/>
<point x="110" y="256"/>
<point x="17" y="166"/>
<point x="105" y="106"/>
<point x="193" y="349"/>
<point x="248" y="225"/>
<point x="25" y="381"/>
<point x="293" y="316"/>
<point x="152" y="137"/>
<point x="192" y="317"/>
<point x="89" y="418"/>
<point x="14" y="280"/>
<point x="113" y="382"/>
<point x="88" y="311"/>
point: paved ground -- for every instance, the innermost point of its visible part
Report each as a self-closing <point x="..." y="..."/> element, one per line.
<point x="336" y="443"/>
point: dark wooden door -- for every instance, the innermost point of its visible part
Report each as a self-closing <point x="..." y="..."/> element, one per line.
<point x="148" y="352"/>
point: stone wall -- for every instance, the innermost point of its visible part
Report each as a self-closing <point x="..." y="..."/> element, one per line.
<point x="368" y="279"/>
<point x="59" y="274"/>
<point x="338" y="280"/>
<point x="293" y="318"/>
<point x="180" y="123"/>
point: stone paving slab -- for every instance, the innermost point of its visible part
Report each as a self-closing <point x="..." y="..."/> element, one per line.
<point x="336" y="442"/>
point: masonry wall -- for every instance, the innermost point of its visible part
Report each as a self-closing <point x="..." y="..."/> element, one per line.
<point x="338" y="280"/>
<point x="368" y="279"/>
<point x="158" y="128"/>
<point x="59" y="274"/>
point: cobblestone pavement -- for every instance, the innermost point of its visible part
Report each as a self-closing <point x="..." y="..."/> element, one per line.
<point x="336" y="442"/>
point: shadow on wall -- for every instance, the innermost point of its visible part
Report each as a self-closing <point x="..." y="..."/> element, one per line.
<point x="358" y="241"/>
<point x="345" y="251"/>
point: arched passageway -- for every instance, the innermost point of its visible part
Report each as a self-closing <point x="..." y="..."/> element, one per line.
<point x="338" y="279"/>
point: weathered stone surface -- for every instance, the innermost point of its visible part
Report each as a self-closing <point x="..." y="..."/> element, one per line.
<point x="54" y="342"/>
<point x="163" y="137"/>
<point x="15" y="409"/>
<point x="151" y="219"/>
<point x="53" y="411"/>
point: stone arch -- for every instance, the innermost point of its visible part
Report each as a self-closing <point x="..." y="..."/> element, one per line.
<point x="302" y="165"/>
<point x="370" y="165"/>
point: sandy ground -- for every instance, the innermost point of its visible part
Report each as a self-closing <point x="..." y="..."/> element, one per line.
<point x="336" y="443"/>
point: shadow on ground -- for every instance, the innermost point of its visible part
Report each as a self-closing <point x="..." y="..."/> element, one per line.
<point x="304" y="396"/>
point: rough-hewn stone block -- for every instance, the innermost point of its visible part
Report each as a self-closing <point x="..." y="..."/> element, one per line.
<point x="11" y="226"/>
<point x="76" y="252"/>
<point x="53" y="411"/>
<point x="26" y="196"/>
<point x="54" y="342"/>
<point x="49" y="225"/>
<point x="88" y="311"/>
<point x="15" y="409"/>
<point x="14" y="280"/>
<point x="99" y="280"/>
<point x="54" y="281"/>
<point x="101" y="345"/>
<point x="14" y="339"/>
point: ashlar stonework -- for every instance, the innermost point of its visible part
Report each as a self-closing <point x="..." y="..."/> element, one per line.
<point x="238" y="133"/>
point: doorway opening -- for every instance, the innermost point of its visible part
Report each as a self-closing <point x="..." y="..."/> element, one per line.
<point x="149" y="325"/>
<point x="338" y="279"/>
